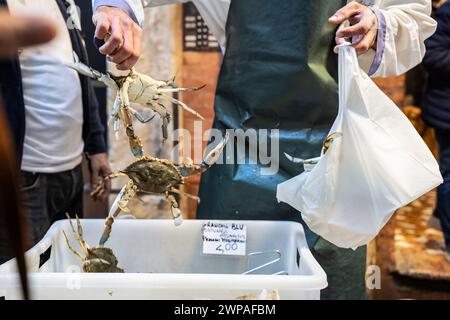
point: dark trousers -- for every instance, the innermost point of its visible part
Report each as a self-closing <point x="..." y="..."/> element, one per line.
<point x="443" y="198"/>
<point x="48" y="196"/>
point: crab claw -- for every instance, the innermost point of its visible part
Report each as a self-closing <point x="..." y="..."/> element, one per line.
<point x="143" y="119"/>
<point x="119" y="204"/>
<point x="83" y="69"/>
<point x="171" y="81"/>
<point x="302" y="161"/>
<point x="294" y="159"/>
<point x="87" y="71"/>
<point x="177" y="217"/>
<point x="121" y="201"/>
<point x="213" y="156"/>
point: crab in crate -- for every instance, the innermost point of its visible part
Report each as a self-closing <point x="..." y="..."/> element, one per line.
<point x="141" y="89"/>
<point x="96" y="259"/>
<point x="155" y="176"/>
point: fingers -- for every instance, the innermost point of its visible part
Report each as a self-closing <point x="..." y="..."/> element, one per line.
<point x="21" y="31"/>
<point x="102" y="25"/>
<point x="114" y="39"/>
<point x="339" y="42"/>
<point x="135" y="52"/>
<point x="366" y="43"/>
<point x="125" y="52"/>
<point x="102" y="194"/>
<point x="121" y="34"/>
<point x="362" y="27"/>
<point x="345" y="13"/>
<point x="100" y="169"/>
<point x="94" y="181"/>
<point x="105" y="195"/>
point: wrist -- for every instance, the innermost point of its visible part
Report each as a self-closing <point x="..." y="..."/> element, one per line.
<point x="105" y="5"/>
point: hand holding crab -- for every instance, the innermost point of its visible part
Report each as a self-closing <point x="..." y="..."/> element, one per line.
<point x="141" y="89"/>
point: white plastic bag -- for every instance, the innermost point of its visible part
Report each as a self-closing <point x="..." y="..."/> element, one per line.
<point x="376" y="163"/>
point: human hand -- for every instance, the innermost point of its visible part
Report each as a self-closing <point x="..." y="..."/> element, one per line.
<point x="22" y="31"/>
<point x="363" y="27"/>
<point x="100" y="168"/>
<point x="121" y="34"/>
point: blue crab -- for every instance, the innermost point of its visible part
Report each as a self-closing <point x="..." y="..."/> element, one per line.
<point x="141" y="89"/>
<point x="155" y="176"/>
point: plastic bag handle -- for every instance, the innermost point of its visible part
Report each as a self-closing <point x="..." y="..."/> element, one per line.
<point x="348" y="67"/>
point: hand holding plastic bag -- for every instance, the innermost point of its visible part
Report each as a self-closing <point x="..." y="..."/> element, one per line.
<point x="373" y="163"/>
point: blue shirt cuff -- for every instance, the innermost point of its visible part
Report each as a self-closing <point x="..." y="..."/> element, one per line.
<point x="121" y="4"/>
<point x="381" y="41"/>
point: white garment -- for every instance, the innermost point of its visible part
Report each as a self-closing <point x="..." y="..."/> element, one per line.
<point x="408" y="25"/>
<point x="53" y="98"/>
<point x="214" y="12"/>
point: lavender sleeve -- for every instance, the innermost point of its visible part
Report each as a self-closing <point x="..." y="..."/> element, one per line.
<point x="381" y="41"/>
<point x="121" y="4"/>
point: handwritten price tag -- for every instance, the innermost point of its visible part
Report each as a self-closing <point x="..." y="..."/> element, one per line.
<point x="224" y="238"/>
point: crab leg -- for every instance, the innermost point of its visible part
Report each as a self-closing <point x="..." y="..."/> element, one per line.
<point x="106" y="231"/>
<point x="71" y="248"/>
<point x="135" y="142"/>
<point x="176" y="212"/>
<point x="139" y="116"/>
<point x="78" y="235"/>
<point x="182" y="105"/>
<point x="115" y="109"/>
<point x="114" y="117"/>
<point x="87" y="71"/>
<point x="174" y="90"/>
<point x="187" y="195"/>
<point x="189" y="169"/>
<point x="165" y="115"/>
<point x="127" y="192"/>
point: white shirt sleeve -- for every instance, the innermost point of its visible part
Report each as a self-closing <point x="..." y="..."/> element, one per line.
<point x="138" y="9"/>
<point x="408" y="25"/>
<point x="155" y="3"/>
<point x="134" y="8"/>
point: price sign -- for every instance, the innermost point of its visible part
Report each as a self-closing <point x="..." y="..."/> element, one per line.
<point x="224" y="238"/>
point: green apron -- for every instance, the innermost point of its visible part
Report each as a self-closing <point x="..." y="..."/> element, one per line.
<point x="279" y="72"/>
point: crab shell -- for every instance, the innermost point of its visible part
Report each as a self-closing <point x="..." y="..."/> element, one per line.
<point x="154" y="175"/>
<point x="143" y="89"/>
<point x="101" y="260"/>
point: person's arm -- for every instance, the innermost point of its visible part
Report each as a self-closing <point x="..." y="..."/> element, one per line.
<point x="133" y="8"/>
<point x="437" y="58"/>
<point x="365" y="26"/>
<point x="21" y="31"/>
<point x="118" y="25"/>
<point x="402" y="41"/>
<point x="119" y="22"/>
<point x="388" y="36"/>
<point x="95" y="145"/>
<point x="95" y="142"/>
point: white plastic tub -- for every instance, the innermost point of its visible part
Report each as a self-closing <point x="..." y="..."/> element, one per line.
<point x="166" y="262"/>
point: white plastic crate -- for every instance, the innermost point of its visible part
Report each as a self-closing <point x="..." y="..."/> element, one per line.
<point x="167" y="262"/>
